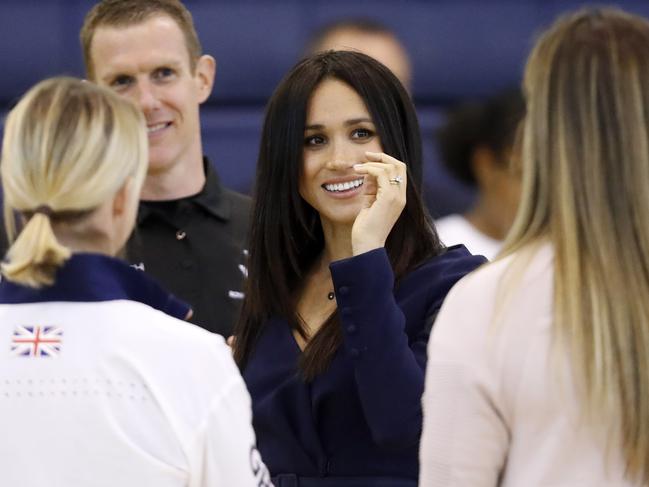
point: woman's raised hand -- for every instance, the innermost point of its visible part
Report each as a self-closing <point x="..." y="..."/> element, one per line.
<point x="384" y="198"/>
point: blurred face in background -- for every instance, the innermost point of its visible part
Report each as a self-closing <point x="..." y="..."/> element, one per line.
<point x="383" y="47"/>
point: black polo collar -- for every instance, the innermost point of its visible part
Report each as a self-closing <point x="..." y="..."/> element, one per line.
<point x="211" y="197"/>
<point x="87" y="277"/>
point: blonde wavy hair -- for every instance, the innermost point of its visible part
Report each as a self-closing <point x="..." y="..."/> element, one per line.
<point x="585" y="189"/>
<point x="68" y="147"/>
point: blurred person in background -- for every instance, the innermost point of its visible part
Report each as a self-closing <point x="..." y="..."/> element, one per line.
<point x="191" y="231"/>
<point x="369" y="37"/>
<point x="476" y="144"/>
<point x="346" y="277"/>
<point x="538" y="370"/>
<point x="102" y="384"/>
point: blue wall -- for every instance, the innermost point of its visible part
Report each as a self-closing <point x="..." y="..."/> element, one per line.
<point x="460" y="48"/>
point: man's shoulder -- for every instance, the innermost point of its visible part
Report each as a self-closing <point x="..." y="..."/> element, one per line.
<point x="240" y="211"/>
<point x="241" y="203"/>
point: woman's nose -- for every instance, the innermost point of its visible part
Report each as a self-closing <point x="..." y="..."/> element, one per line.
<point x="342" y="157"/>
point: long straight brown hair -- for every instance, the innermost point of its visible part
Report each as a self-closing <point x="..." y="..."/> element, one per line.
<point x="585" y="188"/>
<point x="286" y="234"/>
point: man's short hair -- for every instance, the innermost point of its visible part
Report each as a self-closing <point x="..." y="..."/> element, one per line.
<point x="125" y="13"/>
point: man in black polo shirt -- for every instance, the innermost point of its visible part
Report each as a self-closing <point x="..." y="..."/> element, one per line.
<point x="191" y="231"/>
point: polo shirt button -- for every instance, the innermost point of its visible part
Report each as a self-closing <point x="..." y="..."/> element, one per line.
<point x="351" y="328"/>
<point x="343" y="290"/>
<point x="180" y="235"/>
<point x="355" y="353"/>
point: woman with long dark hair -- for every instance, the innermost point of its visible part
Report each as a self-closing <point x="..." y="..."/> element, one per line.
<point x="345" y="278"/>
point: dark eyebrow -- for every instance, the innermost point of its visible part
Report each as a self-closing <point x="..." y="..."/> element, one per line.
<point x="353" y="121"/>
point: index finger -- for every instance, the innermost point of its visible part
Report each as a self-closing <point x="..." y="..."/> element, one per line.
<point x="383" y="157"/>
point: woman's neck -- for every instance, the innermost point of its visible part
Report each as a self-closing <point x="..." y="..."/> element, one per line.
<point x="87" y="236"/>
<point x="315" y="303"/>
<point x="80" y="245"/>
<point x="337" y="242"/>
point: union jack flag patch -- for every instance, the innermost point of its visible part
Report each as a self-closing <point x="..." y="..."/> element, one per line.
<point x="36" y="341"/>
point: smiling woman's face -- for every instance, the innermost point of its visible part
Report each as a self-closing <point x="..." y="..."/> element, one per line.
<point x="339" y="130"/>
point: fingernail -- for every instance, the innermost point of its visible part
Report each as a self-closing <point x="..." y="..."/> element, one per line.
<point x="358" y="166"/>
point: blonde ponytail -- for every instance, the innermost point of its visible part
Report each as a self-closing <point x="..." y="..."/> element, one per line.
<point x="70" y="146"/>
<point x="36" y="254"/>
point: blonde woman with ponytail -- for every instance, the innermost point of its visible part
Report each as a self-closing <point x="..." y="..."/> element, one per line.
<point x="538" y="371"/>
<point x="68" y="177"/>
<point x="100" y="383"/>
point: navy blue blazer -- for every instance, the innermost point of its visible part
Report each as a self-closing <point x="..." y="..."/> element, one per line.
<point x="362" y="417"/>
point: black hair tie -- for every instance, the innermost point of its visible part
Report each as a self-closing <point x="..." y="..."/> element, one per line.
<point x="44" y="210"/>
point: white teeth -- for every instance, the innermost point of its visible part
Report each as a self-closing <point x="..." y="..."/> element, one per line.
<point x="346" y="186"/>
<point x="155" y="128"/>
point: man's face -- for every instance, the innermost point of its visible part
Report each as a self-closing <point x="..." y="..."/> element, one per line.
<point x="149" y="64"/>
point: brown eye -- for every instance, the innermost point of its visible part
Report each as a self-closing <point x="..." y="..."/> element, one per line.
<point x="362" y="133"/>
<point x="314" y="140"/>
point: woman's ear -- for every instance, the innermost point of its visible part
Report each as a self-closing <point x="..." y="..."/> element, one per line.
<point x="122" y="198"/>
<point x="123" y="210"/>
<point x="119" y="201"/>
